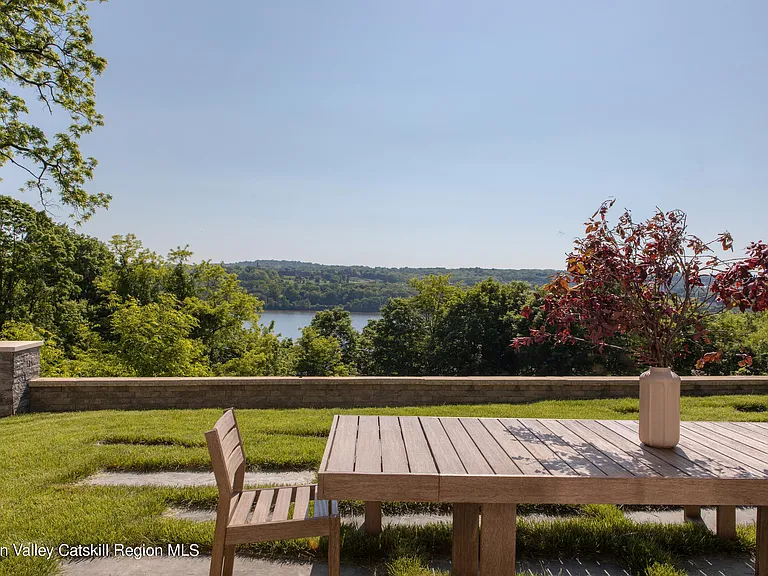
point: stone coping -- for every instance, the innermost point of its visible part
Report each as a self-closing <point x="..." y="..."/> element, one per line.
<point x="381" y="381"/>
<point x="19" y="345"/>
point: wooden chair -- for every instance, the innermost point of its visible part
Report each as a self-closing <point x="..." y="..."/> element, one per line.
<point x="245" y="516"/>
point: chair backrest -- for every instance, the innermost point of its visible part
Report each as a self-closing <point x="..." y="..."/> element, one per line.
<point x="226" y="449"/>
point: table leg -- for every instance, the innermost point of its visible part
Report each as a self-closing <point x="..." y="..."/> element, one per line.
<point x="372" y="518"/>
<point x="497" y="540"/>
<point x="761" y="541"/>
<point x="466" y="522"/>
<point x="691" y="512"/>
<point x="726" y="522"/>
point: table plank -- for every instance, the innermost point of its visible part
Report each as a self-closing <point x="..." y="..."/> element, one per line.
<point x="674" y="457"/>
<point x="634" y="449"/>
<point x="608" y="450"/>
<point x="543" y="453"/>
<point x="494" y="454"/>
<point x="368" y="445"/>
<point x="420" y="460"/>
<point x="523" y="459"/>
<point x="471" y="458"/>
<point x="393" y="454"/>
<point x="446" y="458"/>
<point x="744" y="440"/>
<point x="722" y="446"/>
<point x="760" y="436"/>
<point x="342" y="457"/>
<point x="720" y="465"/>
<point x="591" y="454"/>
<point x="567" y="453"/>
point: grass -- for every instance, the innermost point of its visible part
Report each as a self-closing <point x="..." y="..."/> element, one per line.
<point x="44" y="455"/>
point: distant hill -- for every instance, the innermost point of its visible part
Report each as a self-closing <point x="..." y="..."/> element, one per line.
<point x="294" y="285"/>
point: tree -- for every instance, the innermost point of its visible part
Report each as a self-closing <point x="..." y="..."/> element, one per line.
<point x="264" y="354"/>
<point x="138" y="273"/>
<point x="45" y="49"/>
<point x="319" y="355"/>
<point x="396" y="345"/>
<point x="737" y="335"/>
<point x="434" y="297"/>
<point x="337" y="323"/>
<point x="36" y="264"/>
<point x="154" y="339"/>
<point x="651" y="282"/>
<point x="224" y="311"/>
<point x="473" y="337"/>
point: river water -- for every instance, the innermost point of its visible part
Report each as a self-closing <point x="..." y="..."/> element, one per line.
<point x="289" y="323"/>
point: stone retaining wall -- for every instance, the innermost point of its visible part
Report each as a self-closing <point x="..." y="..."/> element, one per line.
<point x="19" y="365"/>
<point x="65" y="394"/>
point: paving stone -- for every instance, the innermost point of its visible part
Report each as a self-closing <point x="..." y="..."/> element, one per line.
<point x="200" y="567"/>
<point x="195" y="478"/>
<point x="744" y="516"/>
<point x="255" y="567"/>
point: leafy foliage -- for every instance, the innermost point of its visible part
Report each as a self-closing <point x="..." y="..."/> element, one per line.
<point x="319" y="355"/>
<point x="45" y="50"/>
<point x="650" y="281"/>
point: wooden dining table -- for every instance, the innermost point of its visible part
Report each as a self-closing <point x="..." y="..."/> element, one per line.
<point x="484" y="467"/>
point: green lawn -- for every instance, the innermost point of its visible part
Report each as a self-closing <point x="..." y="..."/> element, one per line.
<point x="44" y="455"/>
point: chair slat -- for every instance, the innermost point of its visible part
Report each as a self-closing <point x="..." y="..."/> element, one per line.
<point x="230" y="442"/>
<point x="282" y="504"/>
<point x="233" y="500"/>
<point x="301" y="506"/>
<point x="263" y="505"/>
<point x="225" y="423"/>
<point x="243" y="507"/>
<point x="234" y="461"/>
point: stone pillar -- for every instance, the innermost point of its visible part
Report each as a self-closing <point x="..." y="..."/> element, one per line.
<point x="19" y="363"/>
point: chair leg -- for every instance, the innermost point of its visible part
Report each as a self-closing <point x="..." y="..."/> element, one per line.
<point x="217" y="555"/>
<point x="334" y="547"/>
<point x="229" y="560"/>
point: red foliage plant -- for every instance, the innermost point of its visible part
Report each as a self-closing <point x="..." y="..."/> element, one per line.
<point x="651" y="281"/>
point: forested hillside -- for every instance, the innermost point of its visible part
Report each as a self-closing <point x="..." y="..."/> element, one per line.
<point x="119" y="309"/>
<point x="293" y="285"/>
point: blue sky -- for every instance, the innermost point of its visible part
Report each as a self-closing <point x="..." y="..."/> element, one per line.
<point x="428" y="133"/>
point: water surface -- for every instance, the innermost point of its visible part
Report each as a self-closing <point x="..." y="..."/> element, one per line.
<point x="289" y="323"/>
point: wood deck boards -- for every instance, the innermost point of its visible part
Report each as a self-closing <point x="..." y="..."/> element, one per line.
<point x="542" y="460"/>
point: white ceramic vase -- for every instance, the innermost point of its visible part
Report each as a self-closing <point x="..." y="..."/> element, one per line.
<point x="660" y="408"/>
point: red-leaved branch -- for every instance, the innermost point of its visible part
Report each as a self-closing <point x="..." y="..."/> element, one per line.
<point x="651" y="281"/>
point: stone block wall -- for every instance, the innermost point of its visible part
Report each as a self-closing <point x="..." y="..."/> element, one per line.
<point x="65" y="394"/>
<point x="19" y="365"/>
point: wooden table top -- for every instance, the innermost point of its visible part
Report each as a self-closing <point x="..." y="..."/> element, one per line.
<point x="542" y="461"/>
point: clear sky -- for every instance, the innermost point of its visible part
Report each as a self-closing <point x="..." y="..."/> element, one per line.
<point x="425" y="133"/>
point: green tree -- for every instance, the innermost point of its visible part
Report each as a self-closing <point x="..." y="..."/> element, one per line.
<point x="36" y="264"/>
<point x="337" y="323"/>
<point x="45" y="50"/>
<point x="225" y="313"/>
<point x="737" y="334"/>
<point x="264" y="354"/>
<point x="396" y="345"/>
<point x="319" y="355"/>
<point x="51" y="356"/>
<point x="138" y="273"/>
<point x="474" y="335"/>
<point x="154" y="339"/>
